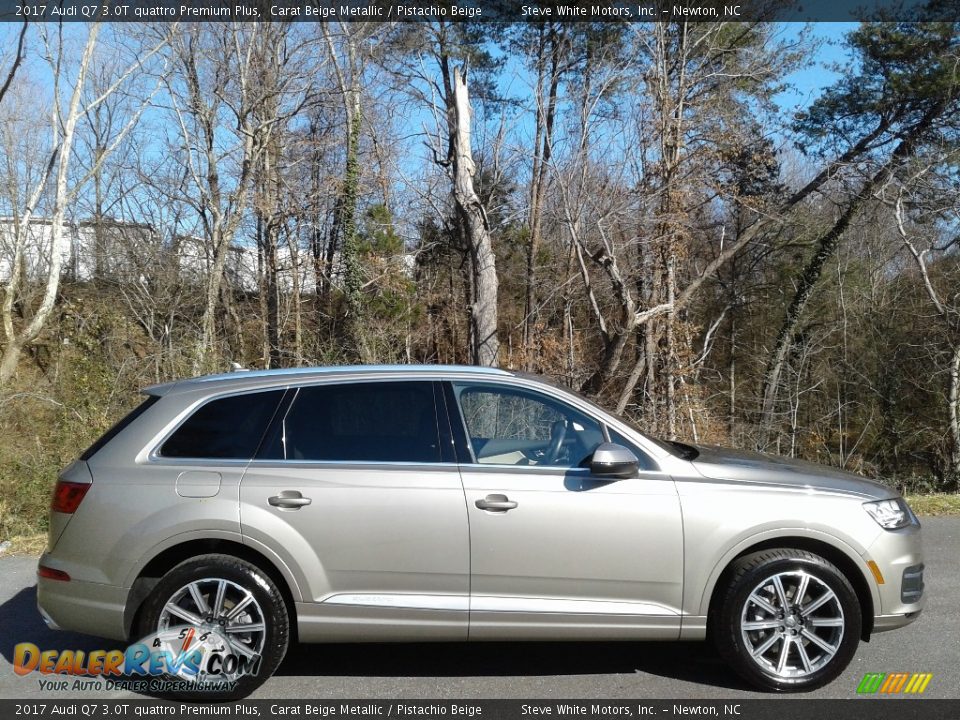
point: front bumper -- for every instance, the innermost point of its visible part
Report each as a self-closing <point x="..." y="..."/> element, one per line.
<point x="899" y="556"/>
<point x="893" y="622"/>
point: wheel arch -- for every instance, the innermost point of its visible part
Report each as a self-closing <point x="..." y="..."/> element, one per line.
<point x="170" y="557"/>
<point x="842" y="559"/>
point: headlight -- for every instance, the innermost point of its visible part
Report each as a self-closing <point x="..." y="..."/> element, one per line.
<point x="891" y="514"/>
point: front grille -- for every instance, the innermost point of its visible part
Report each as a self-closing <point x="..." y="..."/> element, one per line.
<point x="911" y="589"/>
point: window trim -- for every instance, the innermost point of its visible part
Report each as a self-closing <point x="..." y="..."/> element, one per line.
<point x="445" y="404"/>
<point x="355" y="464"/>
<point x="458" y="426"/>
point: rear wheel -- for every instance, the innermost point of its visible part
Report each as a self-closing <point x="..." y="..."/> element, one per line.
<point x="788" y="620"/>
<point x="222" y="623"/>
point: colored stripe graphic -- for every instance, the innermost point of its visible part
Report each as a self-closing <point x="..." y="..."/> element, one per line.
<point x="919" y="681"/>
<point x="870" y="683"/>
<point x="894" y="683"/>
<point x="890" y="684"/>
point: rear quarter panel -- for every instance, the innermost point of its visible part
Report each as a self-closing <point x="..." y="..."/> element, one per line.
<point x="132" y="509"/>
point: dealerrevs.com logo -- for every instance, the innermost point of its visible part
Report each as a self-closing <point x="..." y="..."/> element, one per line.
<point x="900" y="683"/>
<point x="178" y="659"/>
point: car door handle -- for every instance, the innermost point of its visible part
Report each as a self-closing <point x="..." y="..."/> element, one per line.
<point x="497" y="503"/>
<point x="289" y="500"/>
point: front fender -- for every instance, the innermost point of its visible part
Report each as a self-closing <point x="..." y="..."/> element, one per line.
<point x="763" y="537"/>
<point x="724" y="520"/>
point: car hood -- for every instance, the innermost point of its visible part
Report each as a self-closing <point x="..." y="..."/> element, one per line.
<point x="750" y="467"/>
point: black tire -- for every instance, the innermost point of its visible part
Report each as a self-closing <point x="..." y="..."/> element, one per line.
<point x="276" y="634"/>
<point x="807" y="664"/>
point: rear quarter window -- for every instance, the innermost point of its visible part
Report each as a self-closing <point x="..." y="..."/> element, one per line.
<point x="226" y="428"/>
<point x="120" y="426"/>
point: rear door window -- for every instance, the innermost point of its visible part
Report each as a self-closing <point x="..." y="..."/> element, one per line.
<point x="360" y="422"/>
<point x="226" y="428"/>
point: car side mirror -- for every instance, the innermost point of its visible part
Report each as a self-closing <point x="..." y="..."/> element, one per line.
<point x="614" y="461"/>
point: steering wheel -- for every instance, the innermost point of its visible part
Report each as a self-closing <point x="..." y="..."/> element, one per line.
<point x="558" y="433"/>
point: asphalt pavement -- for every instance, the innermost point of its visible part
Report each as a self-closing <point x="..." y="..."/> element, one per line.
<point x="532" y="670"/>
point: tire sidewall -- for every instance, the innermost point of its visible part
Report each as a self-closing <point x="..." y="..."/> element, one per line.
<point x="250" y="578"/>
<point x="729" y="634"/>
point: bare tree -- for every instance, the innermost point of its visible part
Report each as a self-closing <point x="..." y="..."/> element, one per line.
<point x="901" y="100"/>
<point x="695" y="80"/>
<point x="63" y="123"/>
<point x="552" y="54"/>
<point x="483" y="311"/>
<point x="18" y="56"/>
<point x="348" y="66"/>
<point x="219" y="104"/>
<point x="947" y="307"/>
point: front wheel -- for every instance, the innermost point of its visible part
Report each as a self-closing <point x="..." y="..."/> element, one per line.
<point x="788" y="621"/>
<point x="221" y="625"/>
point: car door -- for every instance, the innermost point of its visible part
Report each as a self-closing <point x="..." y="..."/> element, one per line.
<point x="355" y="492"/>
<point x="556" y="552"/>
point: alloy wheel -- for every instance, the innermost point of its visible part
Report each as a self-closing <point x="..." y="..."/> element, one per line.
<point x="792" y="624"/>
<point x="215" y="615"/>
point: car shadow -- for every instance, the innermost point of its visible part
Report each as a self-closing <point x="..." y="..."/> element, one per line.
<point x="20" y="622"/>
<point x="694" y="662"/>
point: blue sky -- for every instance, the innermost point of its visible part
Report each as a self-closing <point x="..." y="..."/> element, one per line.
<point x="805" y="85"/>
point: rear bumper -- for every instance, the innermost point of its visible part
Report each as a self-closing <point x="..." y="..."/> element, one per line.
<point x="84" y="607"/>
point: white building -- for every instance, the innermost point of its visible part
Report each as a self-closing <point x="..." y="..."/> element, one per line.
<point x="120" y="251"/>
<point x="115" y="250"/>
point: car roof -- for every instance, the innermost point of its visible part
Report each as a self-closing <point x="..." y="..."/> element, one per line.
<point x="268" y="378"/>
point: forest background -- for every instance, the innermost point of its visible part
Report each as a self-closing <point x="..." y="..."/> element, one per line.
<point x="732" y="233"/>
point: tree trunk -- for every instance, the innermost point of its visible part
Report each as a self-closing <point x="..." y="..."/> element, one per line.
<point x="274" y="357"/>
<point x="955" y="416"/>
<point x="732" y="381"/>
<point x="262" y="292"/>
<point x="669" y="357"/>
<point x="296" y="293"/>
<point x="343" y="231"/>
<point x="543" y="150"/>
<point x="473" y="218"/>
<point x="321" y="279"/>
<point x="349" y="250"/>
<point x="208" y="328"/>
<point x="268" y="212"/>
<point x="9" y="360"/>
<point x="16" y="342"/>
<point x="826" y="246"/>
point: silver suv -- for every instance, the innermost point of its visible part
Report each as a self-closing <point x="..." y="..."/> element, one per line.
<point x="239" y="512"/>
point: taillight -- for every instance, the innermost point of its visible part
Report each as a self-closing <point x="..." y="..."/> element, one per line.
<point x="51" y="574"/>
<point x="67" y="496"/>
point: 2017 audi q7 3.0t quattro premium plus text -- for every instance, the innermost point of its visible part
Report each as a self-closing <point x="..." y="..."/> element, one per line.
<point x="410" y="503"/>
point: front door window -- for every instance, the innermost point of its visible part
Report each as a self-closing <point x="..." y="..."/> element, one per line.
<point x="506" y="426"/>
